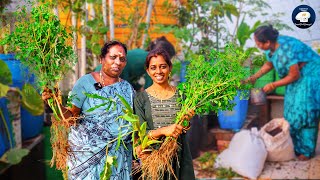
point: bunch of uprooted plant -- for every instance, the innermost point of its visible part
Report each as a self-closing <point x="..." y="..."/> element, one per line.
<point x="43" y="45"/>
<point x="212" y="81"/>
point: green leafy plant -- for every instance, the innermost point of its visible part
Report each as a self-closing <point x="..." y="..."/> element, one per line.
<point x="207" y="160"/>
<point x="44" y="46"/>
<point x="30" y="100"/>
<point x="42" y="43"/>
<point x="225" y="173"/>
<point x="137" y="131"/>
<point x="258" y="60"/>
<point x="106" y="173"/>
<point x="200" y="18"/>
<point x="212" y="83"/>
<point x="15" y="155"/>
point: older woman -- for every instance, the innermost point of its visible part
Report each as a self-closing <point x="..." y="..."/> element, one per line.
<point x="88" y="139"/>
<point x="298" y="66"/>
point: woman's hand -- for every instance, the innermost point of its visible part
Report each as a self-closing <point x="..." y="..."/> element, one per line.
<point x="187" y="118"/>
<point x="140" y="153"/>
<point x="251" y="80"/>
<point x="189" y="115"/>
<point x="46" y="94"/>
<point x="293" y="75"/>
<point x="66" y="112"/>
<point x="173" y="130"/>
<point x="268" y="88"/>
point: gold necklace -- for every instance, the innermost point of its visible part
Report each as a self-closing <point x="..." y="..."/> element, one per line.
<point x="102" y="79"/>
<point x="156" y="95"/>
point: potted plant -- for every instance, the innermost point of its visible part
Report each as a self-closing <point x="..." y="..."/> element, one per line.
<point x="257" y="61"/>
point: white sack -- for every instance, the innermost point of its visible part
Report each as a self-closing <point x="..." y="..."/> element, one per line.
<point x="246" y="154"/>
<point x="280" y="146"/>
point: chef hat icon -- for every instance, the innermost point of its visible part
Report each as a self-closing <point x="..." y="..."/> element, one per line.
<point x="303" y="16"/>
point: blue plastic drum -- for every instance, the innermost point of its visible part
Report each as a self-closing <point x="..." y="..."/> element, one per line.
<point x="183" y="70"/>
<point x="4" y="139"/>
<point x="234" y="119"/>
<point x="31" y="126"/>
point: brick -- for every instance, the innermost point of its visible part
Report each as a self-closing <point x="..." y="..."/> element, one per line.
<point x="220" y="134"/>
<point x="222" y="145"/>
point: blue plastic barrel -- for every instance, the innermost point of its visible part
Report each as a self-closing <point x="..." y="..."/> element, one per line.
<point x="4" y="139"/>
<point x="2" y="144"/>
<point x="234" y="119"/>
<point x="31" y="126"/>
<point x="183" y="70"/>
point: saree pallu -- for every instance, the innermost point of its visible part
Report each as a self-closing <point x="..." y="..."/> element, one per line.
<point x="93" y="132"/>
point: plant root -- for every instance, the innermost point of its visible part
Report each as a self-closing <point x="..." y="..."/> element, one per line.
<point x="59" y="142"/>
<point x="158" y="162"/>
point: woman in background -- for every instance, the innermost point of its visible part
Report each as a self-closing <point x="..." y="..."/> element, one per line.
<point x="298" y="66"/>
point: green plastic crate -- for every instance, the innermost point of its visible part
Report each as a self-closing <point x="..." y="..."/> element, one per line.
<point x="265" y="79"/>
<point x="279" y="90"/>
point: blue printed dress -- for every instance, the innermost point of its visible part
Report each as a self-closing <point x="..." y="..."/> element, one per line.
<point x="302" y="97"/>
<point x="88" y="139"/>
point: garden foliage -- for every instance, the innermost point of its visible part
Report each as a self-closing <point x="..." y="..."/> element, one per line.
<point x="43" y="45"/>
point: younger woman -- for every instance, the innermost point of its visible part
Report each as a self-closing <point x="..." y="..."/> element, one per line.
<point x="157" y="106"/>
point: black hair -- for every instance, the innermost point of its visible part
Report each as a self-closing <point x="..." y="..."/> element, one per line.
<point x="108" y="45"/>
<point x="266" y="33"/>
<point x="158" y="52"/>
<point x="163" y="43"/>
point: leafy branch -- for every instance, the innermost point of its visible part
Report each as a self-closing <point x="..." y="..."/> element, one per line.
<point x="137" y="129"/>
<point x="42" y="43"/>
<point x="212" y="83"/>
<point x="44" y="46"/>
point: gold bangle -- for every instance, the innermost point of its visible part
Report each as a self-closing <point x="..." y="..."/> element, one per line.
<point x="252" y="78"/>
<point x="272" y="85"/>
<point x="150" y="135"/>
<point x="187" y="128"/>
